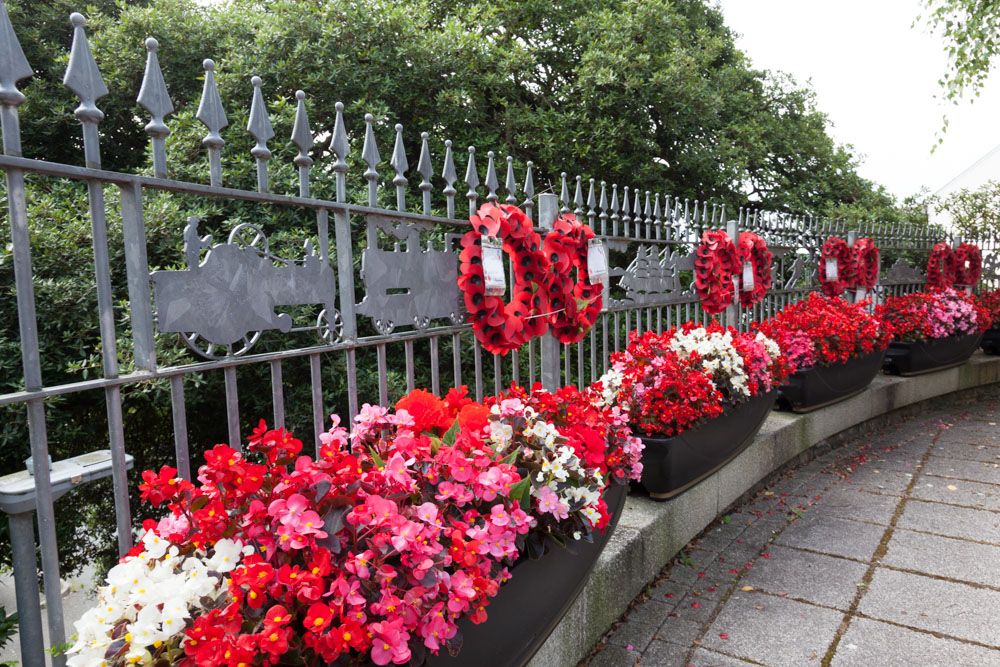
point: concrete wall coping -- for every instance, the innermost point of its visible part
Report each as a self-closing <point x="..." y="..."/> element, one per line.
<point x="650" y="534"/>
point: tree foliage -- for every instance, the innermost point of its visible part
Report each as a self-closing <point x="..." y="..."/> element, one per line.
<point x="969" y="29"/>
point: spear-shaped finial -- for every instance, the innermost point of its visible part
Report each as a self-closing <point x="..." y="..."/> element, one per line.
<point x="603" y="204"/>
<point x="450" y="176"/>
<point x="212" y="116"/>
<point x="13" y="67"/>
<point x="399" y="165"/>
<point x="591" y="204"/>
<point x="626" y="210"/>
<point x="303" y="139"/>
<point x="369" y="153"/>
<point x="153" y="97"/>
<point x="511" y="184"/>
<point x="472" y="180"/>
<point x="84" y="79"/>
<point x="529" y="189"/>
<point x="259" y="127"/>
<point x="637" y="210"/>
<point x="578" y="197"/>
<point x="491" y="179"/>
<point x="341" y="148"/>
<point x="615" y="208"/>
<point x="657" y="215"/>
<point x="426" y="170"/>
<point x="564" y="195"/>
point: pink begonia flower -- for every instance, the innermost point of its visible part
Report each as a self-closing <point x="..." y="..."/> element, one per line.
<point x="389" y="643"/>
<point x="404" y="536"/>
<point x="549" y="502"/>
<point x="396" y="470"/>
<point x="288" y="511"/>
<point x="434" y="629"/>
<point x="428" y="513"/>
<point x="289" y="539"/>
<point x="456" y="492"/>
<point x="510" y="407"/>
<point x="173" y="525"/>
<point x="499" y="516"/>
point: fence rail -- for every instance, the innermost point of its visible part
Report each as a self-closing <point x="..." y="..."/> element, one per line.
<point x="238" y="294"/>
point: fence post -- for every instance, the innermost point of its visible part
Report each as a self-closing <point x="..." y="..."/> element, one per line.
<point x="852" y="236"/>
<point x="733" y="309"/>
<point x="548" y="210"/>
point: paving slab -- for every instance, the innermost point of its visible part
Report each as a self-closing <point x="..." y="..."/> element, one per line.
<point x="962" y="450"/>
<point x="857" y="505"/>
<point x="958" y="492"/>
<point x="825" y="580"/>
<point x="830" y="535"/>
<point x="978" y="433"/>
<point x="944" y="557"/>
<point x="869" y="643"/>
<point x="772" y="631"/>
<point x="971" y="470"/>
<point x="705" y="658"/>
<point x="633" y="635"/>
<point x="956" y="610"/>
<point x="873" y="479"/>
<point x="615" y="656"/>
<point x="679" y="631"/>
<point x="664" y="654"/>
<point x="973" y="524"/>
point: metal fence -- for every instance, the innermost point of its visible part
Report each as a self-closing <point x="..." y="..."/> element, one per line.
<point x="397" y="312"/>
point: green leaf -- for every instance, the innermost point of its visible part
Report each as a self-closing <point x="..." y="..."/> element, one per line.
<point x="511" y="458"/>
<point x="519" y="491"/>
<point x="451" y="434"/>
<point x="378" y="460"/>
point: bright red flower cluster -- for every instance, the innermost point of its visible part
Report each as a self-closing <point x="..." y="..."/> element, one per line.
<point x="822" y="330"/>
<point x="990" y="303"/>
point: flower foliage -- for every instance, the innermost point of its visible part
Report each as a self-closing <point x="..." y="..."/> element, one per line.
<point x="369" y="553"/>
<point x="670" y="382"/>
<point x="822" y="330"/>
<point x="935" y="314"/>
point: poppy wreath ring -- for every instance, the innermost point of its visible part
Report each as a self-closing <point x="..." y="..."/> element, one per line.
<point x="753" y="249"/>
<point x="968" y="275"/>
<point x="575" y="303"/>
<point x="836" y="248"/>
<point x="864" y="257"/>
<point x="941" y="266"/>
<point x="499" y="326"/>
<point x="714" y="263"/>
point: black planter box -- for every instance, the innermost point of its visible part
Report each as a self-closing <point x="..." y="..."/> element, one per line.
<point x="929" y="355"/>
<point x="672" y="465"/>
<point x="818" y="386"/>
<point x="991" y="341"/>
<point x="529" y="606"/>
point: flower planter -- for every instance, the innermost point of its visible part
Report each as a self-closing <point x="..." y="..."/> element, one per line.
<point x="672" y="465"/>
<point x="531" y="604"/>
<point x="818" y="386"/>
<point x="991" y="341"/>
<point x="929" y="355"/>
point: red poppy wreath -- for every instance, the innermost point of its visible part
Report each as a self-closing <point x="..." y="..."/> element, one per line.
<point x="836" y="249"/>
<point x="941" y="268"/>
<point x="502" y="327"/>
<point x="714" y="263"/>
<point x="575" y="303"/>
<point x="864" y="257"/>
<point x="753" y="249"/>
<point x="968" y="264"/>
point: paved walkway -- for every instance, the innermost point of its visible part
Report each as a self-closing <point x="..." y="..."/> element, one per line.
<point x="883" y="553"/>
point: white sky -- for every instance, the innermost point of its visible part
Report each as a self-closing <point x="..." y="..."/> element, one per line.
<point x="876" y="78"/>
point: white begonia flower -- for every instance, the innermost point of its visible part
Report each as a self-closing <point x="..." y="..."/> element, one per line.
<point x="155" y="546"/>
<point x="227" y="555"/>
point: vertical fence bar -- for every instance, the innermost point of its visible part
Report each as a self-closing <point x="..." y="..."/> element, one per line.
<point x="548" y="211"/>
<point x="14" y="67"/>
<point x="435" y="370"/>
<point x="182" y="452"/>
<point x="456" y="358"/>
<point x="316" y="383"/>
<point x="383" y="375"/>
<point x="137" y="271"/>
<point x="408" y="348"/>
<point x="84" y="79"/>
<point x="232" y="408"/>
<point x="477" y="354"/>
<point x="277" y="394"/>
